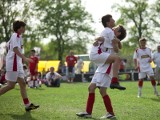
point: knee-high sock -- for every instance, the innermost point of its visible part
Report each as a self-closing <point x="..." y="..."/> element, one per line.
<point x="153" y="82"/>
<point x="26" y="102"/>
<point x="140" y="83"/>
<point x="90" y="103"/>
<point x="108" y="105"/>
<point x="114" y="80"/>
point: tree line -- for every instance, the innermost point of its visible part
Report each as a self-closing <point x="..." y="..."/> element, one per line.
<point x="67" y="25"/>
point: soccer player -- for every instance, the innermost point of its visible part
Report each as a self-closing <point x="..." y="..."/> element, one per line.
<point x="142" y="59"/>
<point x="33" y="67"/>
<point x="14" y="66"/>
<point x="102" y="79"/>
<point x="156" y="59"/>
<point x="111" y="45"/>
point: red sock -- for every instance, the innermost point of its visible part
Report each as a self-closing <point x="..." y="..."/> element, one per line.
<point x="140" y="83"/>
<point x="108" y="105"/>
<point x="153" y="82"/>
<point x="90" y="102"/>
<point x="26" y="101"/>
<point x="114" y="80"/>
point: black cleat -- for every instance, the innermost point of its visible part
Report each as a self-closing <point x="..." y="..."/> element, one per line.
<point x="31" y="107"/>
<point x="84" y="115"/>
<point x="116" y="86"/>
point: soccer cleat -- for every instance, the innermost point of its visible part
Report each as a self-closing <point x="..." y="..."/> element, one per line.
<point x="116" y="86"/>
<point x="108" y="116"/>
<point x="84" y="115"/>
<point x="31" y="107"/>
<point x="156" y="93"/>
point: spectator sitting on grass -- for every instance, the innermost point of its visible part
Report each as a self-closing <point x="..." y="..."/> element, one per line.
<point x="53" y="78"/>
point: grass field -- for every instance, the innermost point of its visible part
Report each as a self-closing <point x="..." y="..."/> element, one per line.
<point x="62" y="103"/>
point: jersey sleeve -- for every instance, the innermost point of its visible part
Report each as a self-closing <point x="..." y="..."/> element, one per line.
<point x="14" y="41"/>
<point x="135" y="55"/>
<point x="108" y="37"/>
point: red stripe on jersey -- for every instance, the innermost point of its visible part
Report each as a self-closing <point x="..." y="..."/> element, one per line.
<point x="18" y="35"/>
<point x="109" y="69"/>
<point x="99" y="49"/>
<point x="15" y="63"/>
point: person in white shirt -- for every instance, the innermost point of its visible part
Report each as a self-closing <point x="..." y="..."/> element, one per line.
<point x="53" y="78"/>
<point x="14" y="66"/>
<point x="142" y="59"/>
<point x="156" y="60"/>
<point x="79" y="65"/>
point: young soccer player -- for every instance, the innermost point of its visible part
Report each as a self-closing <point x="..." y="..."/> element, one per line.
<point x="142" y="59"/>
<point x="14" y="66"/>
<point x="33" y="67"/>
<point x="110" y="44"/>
<point x="102" y="79"/>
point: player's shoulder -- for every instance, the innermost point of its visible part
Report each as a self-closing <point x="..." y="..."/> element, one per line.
<point x="107" y="30"/>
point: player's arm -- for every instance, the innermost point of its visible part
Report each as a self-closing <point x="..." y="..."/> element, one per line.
<point x="135" y="61"/>
<point x="115" y="44"/>
<point x="15" y="49"/>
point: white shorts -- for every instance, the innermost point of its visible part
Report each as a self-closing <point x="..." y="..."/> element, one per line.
<point x="142" y="75"/>
<point x="101" y="80"/>
<point x="13" y="75"/>
<point x="99" y="59"/>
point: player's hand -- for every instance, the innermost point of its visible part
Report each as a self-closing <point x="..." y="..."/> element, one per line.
<point x="28" y="60"/>
<point x="100" y="39"/>
<point x="150" y="60"/>
<point x="115" y="40"/>
<point x="95" y="43"/>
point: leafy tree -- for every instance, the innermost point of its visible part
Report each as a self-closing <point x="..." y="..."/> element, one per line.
<point x="136" y="17"/>
<point x="65" y="23"/>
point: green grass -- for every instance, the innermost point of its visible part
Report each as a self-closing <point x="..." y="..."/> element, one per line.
<point x="62" y="103"/>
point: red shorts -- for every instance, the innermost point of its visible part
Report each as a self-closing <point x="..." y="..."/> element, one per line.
<point x="33" y="72"/>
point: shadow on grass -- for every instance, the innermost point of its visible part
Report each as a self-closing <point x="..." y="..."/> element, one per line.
<point x="156" y="99"/>
<point x="96" y="118"/>
<point x="39" y="88"/>
<point x="25" y="116"/>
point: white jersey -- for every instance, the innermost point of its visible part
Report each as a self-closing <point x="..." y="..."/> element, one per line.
<point x="143" y="56"/>
<point x="52" y="76"/>
<point x="13" y="61"/>
<point x="108" y="34"/>
<point x="156" y="58"/>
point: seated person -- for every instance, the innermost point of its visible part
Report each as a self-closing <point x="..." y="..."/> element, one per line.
<point x="53" y="78"/>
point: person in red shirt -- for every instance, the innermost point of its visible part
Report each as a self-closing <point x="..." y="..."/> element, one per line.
<point x="71" y="60"/>
<point x="33" y="67"/>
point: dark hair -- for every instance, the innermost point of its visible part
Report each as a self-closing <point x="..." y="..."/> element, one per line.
<point x="18" y="24"/>
<point x="33" y="50"/>
<point x="123" y="34"/>
<point x="105" y="19"/>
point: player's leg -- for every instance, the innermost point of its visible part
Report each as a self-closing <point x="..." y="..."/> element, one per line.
<point x="141" y="77"/>
<point x="115" y="59"/>
<point x="107" y="103"/>
<point x="11" y="78"/>
<point x="10" y="85"/>
<point x="157" y="75"/>
<point x="153" y="82"/>
<point x="28" y="106"/>
<point x="90" y="101"/>
<point x="72" y="74"/>
<point x="103" y="83"/>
